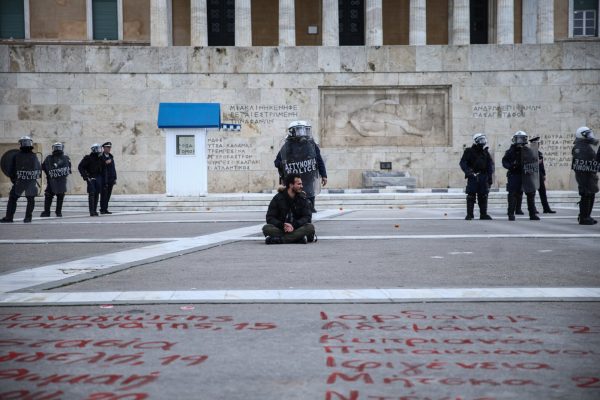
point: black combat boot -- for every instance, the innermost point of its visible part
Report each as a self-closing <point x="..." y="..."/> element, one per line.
<point x="483" y="204"/>
<point x="11" y="207"/>
<point x="47" y="205"/>
<point x="585" y="210"/>
<point x="470" y="206"/>
<point x="59" y="203"/>
<point x="531" y="207"/>
<point x="512" y="204"/>
<point x="544" y="201"/>
<point x="92" y="205"/>
<point x="29" y="209"/>
<point x="519" y="201"/>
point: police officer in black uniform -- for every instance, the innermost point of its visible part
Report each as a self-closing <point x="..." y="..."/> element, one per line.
<point x="57" y="167"/>
<point x="542" y="189"/>
<point x="91" y="169"/>
<point x="300" y="154"/>
<point x="109" y="178"/>
<point x="478" y="166"/>
<point x="24" y="170"/>
<point x="518" y="161"/>
<point x="586" y="165"/>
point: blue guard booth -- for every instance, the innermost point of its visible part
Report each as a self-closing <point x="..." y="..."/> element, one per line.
<point x="186" y="126"/>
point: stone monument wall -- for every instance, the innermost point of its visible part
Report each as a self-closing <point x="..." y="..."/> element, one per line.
<point x="416" y="107"/>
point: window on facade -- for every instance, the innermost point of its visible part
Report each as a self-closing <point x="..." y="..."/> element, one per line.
<point x="221" y="22"/>
<point x="352" y="22"/>
<point x="479" y="22"/>
<point x="585" y="17"/>
<point x="105" y="20"/>
<point x="584" y="23"/>
<point x="265" y="22"/>
<point x="12" y="20"/>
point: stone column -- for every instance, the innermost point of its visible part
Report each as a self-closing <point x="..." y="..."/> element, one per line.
<point x="529" y="30"/>
<point x="243" y="23"/>
<point x="461" y="23"/>
<point x="545" y="32"/>
<point x="161" y="30"/>
<point x="506" y="22"/>
<point x="331" y="23"/>
<point x="198" y="24"/>
<point x="418" y="23"/>
<point x="374" y="23"/>
<point x="287" y="23"/>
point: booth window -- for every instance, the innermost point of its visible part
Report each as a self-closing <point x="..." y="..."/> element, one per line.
<point x="185" y="145"/>
<point x="12" y="19"/>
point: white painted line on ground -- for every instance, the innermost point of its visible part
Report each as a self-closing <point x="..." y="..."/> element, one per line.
<point x="55" y="272"/>
<point x="309" y="295"/>
<point x="99" y="240"/>
<point x="473" y="236"/>
<point x="336" y="237"/>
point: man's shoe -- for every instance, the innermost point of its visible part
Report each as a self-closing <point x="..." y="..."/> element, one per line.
<point x="468" y="217"/>
<point x="59" y="214"/>
<point x="586" y="221"/>
<point x="485" y="217"/>
<point x="6" y="219"/>
<point x="105" y="212"/>
<point x="303" y="240"/>
<point x="45" y="214"/>
<point x="511" y="217"/>
<point x="534" y="217"/>
<point x="27" y="220"/>
<point x="312" y="238"/>
<point x="519" y="212"/>
<point x="549" y="211"/>
<point x="93" y="214"/>
<point x="273" y="240"/>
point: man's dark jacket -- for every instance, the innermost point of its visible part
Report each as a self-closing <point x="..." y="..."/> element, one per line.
<point x="296" y="211"/>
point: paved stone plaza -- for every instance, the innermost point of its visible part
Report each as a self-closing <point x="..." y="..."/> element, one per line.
<point x="390" y="303"/>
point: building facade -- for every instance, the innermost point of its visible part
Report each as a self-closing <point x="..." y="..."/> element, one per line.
<point x="405" y="82"/>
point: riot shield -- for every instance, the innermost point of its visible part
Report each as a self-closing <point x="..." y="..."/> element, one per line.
<point x="58" y="171"/>
<point x="583" y="167"/>
<point x="299" y="156"/>
<point x="7" y="162"/>
<point x="531" y="168"/>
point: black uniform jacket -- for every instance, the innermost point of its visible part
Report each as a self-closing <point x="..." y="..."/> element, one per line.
<point x="296" y="211"/>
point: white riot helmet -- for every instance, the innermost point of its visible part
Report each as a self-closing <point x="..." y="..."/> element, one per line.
<point x="96" y="148"/>
<point x="480" y="139"/>
<point x="584" y="133"/>
<point x="299" y="128"/>
<point x="25" y="141"/>
<point x="58" y="147"/>
<point x="520" y="137"/>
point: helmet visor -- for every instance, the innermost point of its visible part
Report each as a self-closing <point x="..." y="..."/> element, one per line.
<point x="58" y="147"/>
<point x="26" y="143"/>
<point x="302" y="130"/>
<point x="520" y="139"/>
<point x="481" y="140"/>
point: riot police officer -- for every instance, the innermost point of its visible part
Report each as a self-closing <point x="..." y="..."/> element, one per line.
<point x="301" y="155"/>
<point x="24" y="169"/>
<point x="522" y="163"/>
<point x="478" y="166"/>
<point x="57" y="167"/>
<point x="586" y="168"/>
<point x="91" y="170"/>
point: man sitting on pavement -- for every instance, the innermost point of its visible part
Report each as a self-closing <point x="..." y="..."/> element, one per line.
<point x="289" y="215"/>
